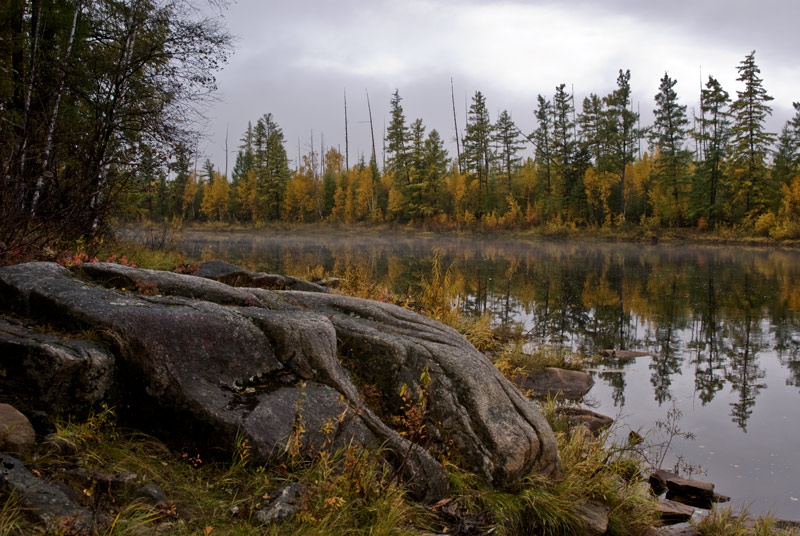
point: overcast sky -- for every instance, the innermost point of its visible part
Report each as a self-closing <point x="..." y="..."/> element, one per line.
<point x="295" y="59"/>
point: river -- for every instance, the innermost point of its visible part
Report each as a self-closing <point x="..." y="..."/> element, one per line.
<point x="721" y="326"/>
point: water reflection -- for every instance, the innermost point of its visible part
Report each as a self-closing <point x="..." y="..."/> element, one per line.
<point x="710" y="312"/>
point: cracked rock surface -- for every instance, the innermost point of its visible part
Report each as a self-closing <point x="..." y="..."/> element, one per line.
<point x="277" y="367"/>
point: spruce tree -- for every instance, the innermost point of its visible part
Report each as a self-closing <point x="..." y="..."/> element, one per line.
<point x="669" y="135"/>
<point x="564" y="146"/>
<point x="749" y="180"/>
<point x="477" y="140"/>
<point x="506" y="136"/>
<point x="619" y="133"/>
<point x="787" y="155"/>
<point x="271" y="166"/>
<point x="543" y="137"/>
<point x="397" y="138"/>
<point x="713" y="135"/>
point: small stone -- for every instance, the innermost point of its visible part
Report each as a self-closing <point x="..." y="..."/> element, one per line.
<point x="16" y="433"/>
<point x="595" y="422"/>
<point x="283" y="505"/>
<point x="152" y="494"/>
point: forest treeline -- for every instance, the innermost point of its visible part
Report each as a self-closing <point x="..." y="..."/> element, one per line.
<point x="596" y="166"/>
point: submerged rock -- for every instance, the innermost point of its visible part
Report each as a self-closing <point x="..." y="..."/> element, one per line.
<point x="292" y="370"/>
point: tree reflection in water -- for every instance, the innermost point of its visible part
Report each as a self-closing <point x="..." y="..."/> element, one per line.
<point x="710" y="312"/>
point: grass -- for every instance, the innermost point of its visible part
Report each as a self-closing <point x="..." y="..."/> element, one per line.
<point x="725" y="522"/>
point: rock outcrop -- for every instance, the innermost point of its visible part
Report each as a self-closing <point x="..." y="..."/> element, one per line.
<point x="287" y="369"/>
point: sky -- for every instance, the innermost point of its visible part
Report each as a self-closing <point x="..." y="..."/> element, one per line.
<point x="297" y="59"/>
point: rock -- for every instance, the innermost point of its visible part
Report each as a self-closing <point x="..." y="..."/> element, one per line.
<point x="151" y="494"/>
<point x="674" y="531"/>
<point x="595" y="422"/>
<point x="52" y="371"/>
<point x="475" y="412"/>
<point x="555" y="383"/>
<point x="623" y="354"/>
<point x="658" y="480"/>
<point x="235" y="276"/>
<point x="43" y="502"/>
<point x="691" y="492"/>
<point x="16" y="433"/>
<point x="595" y="517"/>
<point x="221" y="360"/>
<point x="330" y="282"/>
<point x="283" y="505"/>
<point x="672" y="512"/>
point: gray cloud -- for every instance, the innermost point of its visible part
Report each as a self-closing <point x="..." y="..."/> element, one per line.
<point x="295" y="59"/>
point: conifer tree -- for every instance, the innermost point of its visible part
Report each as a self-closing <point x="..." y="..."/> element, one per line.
<point x="713" y="134"/>
<point x="749" y="181"/>
<point x="271" y="166"/>
<point x="506" y="135"/>
<point x="619" y="133"/>
<point x="669" y="135"/>
<point x="477" y="144"/>
<point x="397" y="138"/>
<point x="564" y="145"/>
<point x="787" y="155"/>
<point x="543" y="137"/>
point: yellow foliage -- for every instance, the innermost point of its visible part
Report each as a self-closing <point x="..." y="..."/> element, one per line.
<point x="216" y="201"/>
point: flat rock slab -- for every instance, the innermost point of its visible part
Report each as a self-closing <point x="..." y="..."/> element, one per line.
<point x="43" y="502"/>
<point x="673" y="512"/>
<point x="556" y="383"/>
<point x="16" y="433"/>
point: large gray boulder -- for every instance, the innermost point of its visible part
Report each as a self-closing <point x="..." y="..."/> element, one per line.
<point x="289" y="369"/>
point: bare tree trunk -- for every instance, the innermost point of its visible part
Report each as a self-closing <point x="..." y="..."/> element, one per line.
<point x="455" y="124"/>
<point x="36" y="18"/>
<point x="371" y="129"/>
<point x="51" y="127"/>
<point x="346" y="138"/>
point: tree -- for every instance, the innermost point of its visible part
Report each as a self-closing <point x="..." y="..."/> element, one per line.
<point x="271" y="166"/>
<point x="543" y="138"/>
<point x="476" y="144"/>
<point x="751" y="143"/>
<point x="91" y="84"/>
<point x="714" y="133"/>
<point x="506" y="135"/>
<point x="787" y="155"/>
<point x="397" y="138"/>
<point x="672" y="158"/>
<point x="216" y="201"/>
<point x="564" y="146"/>
<point x="619" y="133"/>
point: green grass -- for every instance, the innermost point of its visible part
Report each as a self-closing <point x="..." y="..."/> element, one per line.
<point x="725" y="522"/>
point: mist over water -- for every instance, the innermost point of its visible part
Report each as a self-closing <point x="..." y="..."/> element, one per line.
<point x="721" y="326"/>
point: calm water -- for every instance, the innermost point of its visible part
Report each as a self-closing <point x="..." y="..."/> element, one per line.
<point x="722" y="326"/>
